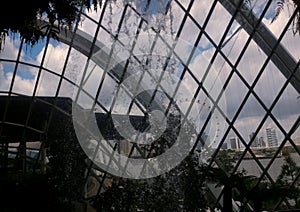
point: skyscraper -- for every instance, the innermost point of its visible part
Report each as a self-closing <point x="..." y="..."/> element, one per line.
<point x="261" y="142"/>
<point x="255" y="142"/>
<point x="272" y="137"/>
<point x="224" y="146"/>
<point x="234" y="142"/>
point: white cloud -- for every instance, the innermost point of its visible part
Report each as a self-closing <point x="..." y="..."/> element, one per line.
<point x="290" y="41"/>
<point x="22" y="86"/>
<point x="10" y="50"/>
<point x="55" y="57"/>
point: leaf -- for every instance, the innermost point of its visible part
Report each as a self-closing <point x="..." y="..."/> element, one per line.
<point x="279" y="7"/>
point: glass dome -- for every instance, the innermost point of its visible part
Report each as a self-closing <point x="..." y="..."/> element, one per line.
<point x="228" y="71"/>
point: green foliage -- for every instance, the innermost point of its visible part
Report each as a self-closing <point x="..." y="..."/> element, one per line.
<point x="30" y="192"/>
<point x="193" y="185"/>
<point x="280" y="7"/>
<point x="289" y="175"/>
<point x="185" y="188"/>
<point x="121" y="196"/>
<point x="289" y="171"/>
<point x="23" y="16"/>
<point x="264" y="195"/>
<point x="182" y="189"/>
<point x="66" y="164"/>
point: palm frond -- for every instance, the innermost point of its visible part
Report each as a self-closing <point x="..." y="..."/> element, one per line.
<point x="297" y="19"/>
<point x="248" y="2"/>
<point x="279" y="7"/>
<point x="3" y="35"/>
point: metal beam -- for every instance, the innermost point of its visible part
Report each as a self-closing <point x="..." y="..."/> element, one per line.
<point x="266" y="40"/>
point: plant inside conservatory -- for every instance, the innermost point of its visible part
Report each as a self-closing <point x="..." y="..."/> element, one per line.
<point x="59" y="188"/>
<point x="182" y="189"/>
<point x="64" y="13"/>
<point x="280" y="4"/>
<point x="288" y="176"/>
<point x="221" y="174"/>
<point x="29" y="12"/>
<point x="264" y="195"/>
<point x="261" y="194"/>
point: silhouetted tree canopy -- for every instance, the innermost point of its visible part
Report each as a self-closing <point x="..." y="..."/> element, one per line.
<point x="23" y="16"/>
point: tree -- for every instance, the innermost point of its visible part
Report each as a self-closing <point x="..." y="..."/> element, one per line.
<point x="240" y="186"/>
<point x="181" y="189"/>
<point x="279" y="8"/>
<point x="262" y="195"/>
<point x="193" y="184"/>
<point x="289" y="171"/>
<point x="66" y="172"/>
<point x="287" y="176"/>
<point x="122" y="195"/>
<point x="265" y="195"/>
<point x="222" y="174"/>
<point x="25" y="20"/>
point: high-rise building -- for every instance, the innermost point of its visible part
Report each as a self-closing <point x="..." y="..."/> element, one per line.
<point x="258" y="141"/>
<point x="261" y="142"/>
<point x="272" y="137"/>
<point x="255" y="142"/>
<point x="224" y="146"/>
<point x="234" y="142"/>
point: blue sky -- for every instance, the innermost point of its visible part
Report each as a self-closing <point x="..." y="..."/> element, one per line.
<point x="156" y="6"/>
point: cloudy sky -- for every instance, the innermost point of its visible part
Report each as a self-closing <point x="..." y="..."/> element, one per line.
<point x="286" y="111"/>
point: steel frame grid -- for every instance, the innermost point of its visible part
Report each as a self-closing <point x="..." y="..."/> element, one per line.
<point x="185" y="65"/>
<point x="218" y="50"/>
<point x="246" y="84"/>
<point x="280" y="92"/>
<point x="234" y="70"/>
<point x="181" y="25"/>
<point x="231" y="125"/>
<point x="139" y="28"/>
<point x="269" y="111"/>
<point x="22" y="145"/>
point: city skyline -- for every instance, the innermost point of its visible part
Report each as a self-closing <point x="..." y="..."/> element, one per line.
<point x="270" y="139"/>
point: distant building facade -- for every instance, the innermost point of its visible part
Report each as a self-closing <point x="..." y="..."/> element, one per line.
<point x="258" y="141"/>
<point x="262" y="142"/>
<point x="224" y="146"/>
<point x="272" y="137"/>
<point x="234" y="142"/>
